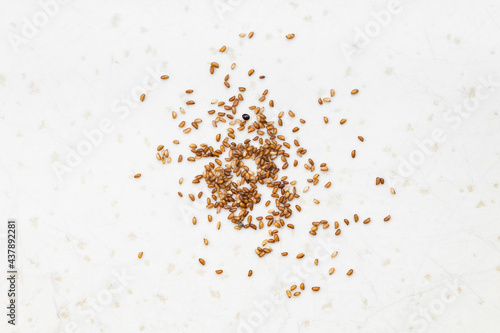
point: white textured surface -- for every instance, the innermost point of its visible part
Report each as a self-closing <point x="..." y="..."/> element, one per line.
<point x="76" y="235"/>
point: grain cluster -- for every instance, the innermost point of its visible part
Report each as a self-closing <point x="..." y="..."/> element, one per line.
<point x="251" y="154"/>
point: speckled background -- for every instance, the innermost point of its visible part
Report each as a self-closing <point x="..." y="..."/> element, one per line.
<point x="429" y="79"/>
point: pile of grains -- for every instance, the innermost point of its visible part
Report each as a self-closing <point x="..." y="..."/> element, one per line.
<point x="234" y="187"/>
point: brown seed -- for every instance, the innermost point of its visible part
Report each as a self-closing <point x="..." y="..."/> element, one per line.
<point x="356" y="218"/>
<point x="337" y="232"/>
<point x="377" y="181"/>
<point x="350" y="272"/>
<point x="205" y="241"/>
<point x="160" y="147"/>
<point x="250" y="72"/>
<point x="327" y="185"/>
<point x="387" y="218"/>
<point x="342" y="121"/>
<point x="361" y="138"/>
<point x="332" y="92"/>
<point x="300" y="255"/>
<point x="219" y="271"/>
<point x="295" y="129"/>
<point x="292" y="288"/>
<point x="137" y="175"/>
<point x="214" y="64"/>
<point x="289" y="294"/>
<point x="325" y="119"/>
<point x="284" y="254"/>
<point x="250" y="35"/>
<point x="164" y="77"/>
<point x="222" y="49"/>
<point x="302" y="286"/>
<point x="315" y="288"/>
<point x="316" y="262"/>
<point x="354" y="91"/>
<point x="367" y="221"/>
<point x="334" y="254"/>
<point x="233" y="65"/>
<point x="190" y="102"/>
<point x="290" y="36"/>
<point x="139" y="255"/>
<point x="353" y="153"/>
<point x="201" y="261"/>
<point x="320" y="101"/>
<point x="296" y="293"/>
<point x="326" y="100"/>
<point x="194" y="218"/>
<point x="242" y="34"/>
<point x="250" y="273"/>
<point x="393" y="191"/>
<point x="331" y="271"/>
<point x="142" y="97"/>
<point x="316" y="201"/>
